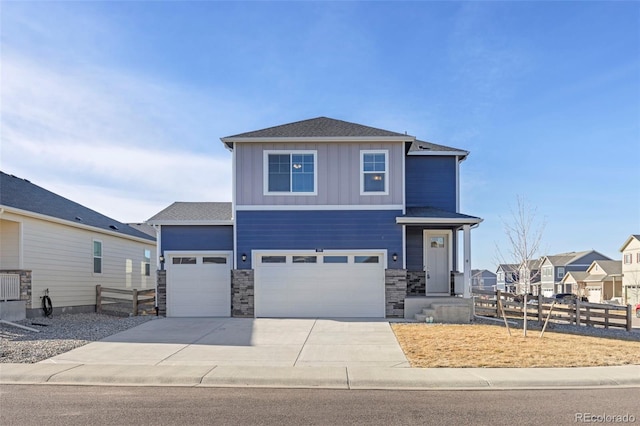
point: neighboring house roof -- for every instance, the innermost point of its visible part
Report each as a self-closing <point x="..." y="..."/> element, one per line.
<point x="193" y="213"/>
<point x="577" y="276"/>
<point x="606" y="267"/>
<point x="631" y="238"/>
<point x="143" y="227"/>
<point x="21" y="194"/>
<point x="416" y="215"/>
<point x="564" y="259"/>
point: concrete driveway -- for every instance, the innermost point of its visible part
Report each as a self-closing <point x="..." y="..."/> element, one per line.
<point x="248" y="342"/>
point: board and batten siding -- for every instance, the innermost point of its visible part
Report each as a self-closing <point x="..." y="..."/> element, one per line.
<point x="431" y="181"/>
<point x="315" y="230"/>
<point x="338" y="174"/>
<point x="61" y="260"/>
<point x="197" y="237"/>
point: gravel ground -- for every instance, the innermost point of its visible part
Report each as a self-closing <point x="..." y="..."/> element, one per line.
<point x="58" y="335"/>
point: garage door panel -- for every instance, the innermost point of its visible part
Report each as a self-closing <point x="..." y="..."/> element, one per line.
<point x="319" y="289"/>
<point x="200" y="289"/>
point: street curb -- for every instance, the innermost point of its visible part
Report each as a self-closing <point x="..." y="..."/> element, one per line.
<point x="346" y="378"/>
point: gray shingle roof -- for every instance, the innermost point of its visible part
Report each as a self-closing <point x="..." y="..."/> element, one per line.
<point x="422" y="146"/>
<point x="319" y="127"/>
<point x="564" y="259"/>
<point x="22" y="194"/>
<point x="432" y="212"/>
<point x="194" y="211"/>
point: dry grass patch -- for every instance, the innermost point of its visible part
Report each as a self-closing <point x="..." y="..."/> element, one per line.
<point x="440" y="345"/>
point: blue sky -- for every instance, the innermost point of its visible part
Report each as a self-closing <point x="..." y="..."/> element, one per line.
<point x="120" y="105"/>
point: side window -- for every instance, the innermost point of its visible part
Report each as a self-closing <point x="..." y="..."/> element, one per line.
<point x="97" y="257"/>
<point x="374" y="172"/>
<point x="147" y="263"/>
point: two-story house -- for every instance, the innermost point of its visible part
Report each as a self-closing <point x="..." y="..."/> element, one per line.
<point x="483" y="279"/>
<point x="631" y="270"/>
<point x="553" y="269"/>
<point x="328" y="219"/>
<point x="506" y="276"/>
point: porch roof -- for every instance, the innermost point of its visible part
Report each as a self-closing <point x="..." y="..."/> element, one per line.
<point x="431" y="215"/>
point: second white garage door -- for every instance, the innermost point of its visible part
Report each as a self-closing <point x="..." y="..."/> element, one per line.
<point x="198" y="284"/>
<point x="307" y="285"/>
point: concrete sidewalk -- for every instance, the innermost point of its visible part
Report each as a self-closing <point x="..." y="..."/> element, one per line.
<point x="290" y="353"/>
<point x="320" y="377"/>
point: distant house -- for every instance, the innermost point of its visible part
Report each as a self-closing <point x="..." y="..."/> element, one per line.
<point x="602" y="281"/>
<point x="506" y="276"/>
<point x="553" y="269"/>
<point x="51" y="244"/>
<point x="631" y="270"/>
<point x="483" y="279"/>
<point x="513" y="278"/>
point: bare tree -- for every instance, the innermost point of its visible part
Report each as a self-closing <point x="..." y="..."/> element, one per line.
<point x="524" y="235"/>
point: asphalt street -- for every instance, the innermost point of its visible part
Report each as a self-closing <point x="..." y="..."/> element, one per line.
<point x="89" y="405"/>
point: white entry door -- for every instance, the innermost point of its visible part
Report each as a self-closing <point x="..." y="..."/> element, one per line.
<point x="437" y="251"/>
<point x="198" y="284"/>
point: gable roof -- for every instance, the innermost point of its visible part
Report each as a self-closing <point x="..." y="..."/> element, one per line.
<point x="24" y="196"/>
<point x="564" y="259"/>
<point x="419" y="147"/>
<point x="194" y="213"/>
<point x="576" y="275"/>
<point x="319" y="127"/>
<point x="631" y="238"/>
<point x="609" y="267"/>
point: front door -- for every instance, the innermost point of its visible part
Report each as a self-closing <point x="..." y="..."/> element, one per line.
<point x="437" y="261"/>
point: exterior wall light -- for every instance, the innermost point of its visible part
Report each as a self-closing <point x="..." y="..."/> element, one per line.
<point x="394" y="256"/>
<point x="244" y="257"/>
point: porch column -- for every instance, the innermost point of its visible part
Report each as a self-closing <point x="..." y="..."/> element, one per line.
<point x="466" y="232"/>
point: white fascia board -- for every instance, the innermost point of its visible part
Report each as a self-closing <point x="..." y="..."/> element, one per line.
<point x="192" y="222"/>
<point x="75" y="224"/>
<point x="436" y="221"/>
<point x="402" y="138"/>
<point x="283" y="207"/>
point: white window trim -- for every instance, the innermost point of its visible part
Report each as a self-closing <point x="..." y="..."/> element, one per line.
<point x="265" y="171"/>
<point x="386" y="171"/>
<point x="93" y="257"/>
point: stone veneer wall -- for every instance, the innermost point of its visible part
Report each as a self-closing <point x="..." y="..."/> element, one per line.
<point x="161" y="293"/>
<point x="395" y="283"/>
<point x="416" y="283"/>
<point x="242" y="293"/>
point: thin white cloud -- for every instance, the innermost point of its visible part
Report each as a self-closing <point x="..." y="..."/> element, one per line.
<point x="118" y="133"/>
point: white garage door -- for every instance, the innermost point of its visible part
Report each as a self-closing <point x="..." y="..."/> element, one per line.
<point x="305" y="285"/>
<point x="199" y="284"/>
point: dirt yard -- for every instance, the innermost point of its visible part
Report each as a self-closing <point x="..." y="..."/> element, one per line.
<point x="440" y="345"/>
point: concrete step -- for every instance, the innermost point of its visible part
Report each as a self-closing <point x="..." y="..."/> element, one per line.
<point x="429" y="312"/>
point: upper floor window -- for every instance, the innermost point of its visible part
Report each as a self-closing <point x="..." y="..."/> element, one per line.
<point x="97" y="257"/>
<point x="292" y="172"/>
<point x="560" y="272"/>
<point x="374" y="166"/>
<point x="627" y="258"/>
<point x="638" y="257"/>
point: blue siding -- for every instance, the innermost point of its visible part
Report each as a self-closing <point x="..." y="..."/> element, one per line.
<point x="415" y="249"/>
<point x="308" y="230"/>
<point x="431" y="181"/>
<point x="197" y="237"/>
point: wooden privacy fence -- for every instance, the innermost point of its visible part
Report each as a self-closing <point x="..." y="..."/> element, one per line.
<point x="123" y="301"/>
<point x="537" y="308"/>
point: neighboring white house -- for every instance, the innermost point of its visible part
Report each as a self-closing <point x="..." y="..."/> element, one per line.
<point x="631" y="270"/>
<point x="604" y="281"/>
<point x="56" y="245"/>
